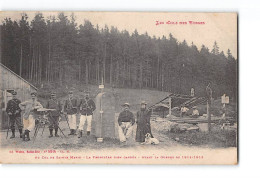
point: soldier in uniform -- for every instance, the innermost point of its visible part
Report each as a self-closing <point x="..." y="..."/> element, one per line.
<point x="71" y="109"/>
<point x="14" y="112"/>
<point x="29" y="107"/>
<point x="86" y="106"/>
<point x="126" y="121"/>
<point x="143" y="123"/>
<point x="53" y="103"/>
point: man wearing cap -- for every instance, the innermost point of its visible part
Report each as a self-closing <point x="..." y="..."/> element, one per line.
<point x="86" y="106"/>
<point x="53" y="103"/>
<point x="29" y="107"/>
<point x="143" y="123"/>
<point x="71" y="109"/>
<point x="126" y="121"/>
<point x="14" y="112"/>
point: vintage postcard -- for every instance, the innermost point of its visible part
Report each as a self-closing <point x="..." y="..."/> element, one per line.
<point x="118" y="88"/>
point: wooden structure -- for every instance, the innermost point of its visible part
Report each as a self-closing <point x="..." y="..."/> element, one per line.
<point x="11" y="81"/>
<point x="176" y="100"/>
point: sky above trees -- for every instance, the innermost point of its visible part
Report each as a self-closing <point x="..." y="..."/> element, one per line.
<point x="219" y="27"/>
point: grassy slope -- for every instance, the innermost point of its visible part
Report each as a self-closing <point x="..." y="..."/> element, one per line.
<point x="132" y="96"/>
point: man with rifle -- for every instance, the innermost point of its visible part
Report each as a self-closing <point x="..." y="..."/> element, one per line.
<point x="86" y="106"/>
<point x="14" y="112"/>
<point x="71" y="109"/>
<point x="53" y="103"/>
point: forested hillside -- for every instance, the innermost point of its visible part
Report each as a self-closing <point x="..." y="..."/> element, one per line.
<point x="57" y="50"/>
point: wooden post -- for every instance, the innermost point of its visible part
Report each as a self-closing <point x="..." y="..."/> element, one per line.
<point x="170" y="106"/>
<point x="21" y="60"/>
<point x="209" y="114"/>
<point x="100" y="138"/>
<point x="209" y="96"/>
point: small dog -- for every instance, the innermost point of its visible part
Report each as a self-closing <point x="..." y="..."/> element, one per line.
<point x="150" y="140"/>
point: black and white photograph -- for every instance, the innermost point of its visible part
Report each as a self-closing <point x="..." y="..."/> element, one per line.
<point x="119" y="87"/>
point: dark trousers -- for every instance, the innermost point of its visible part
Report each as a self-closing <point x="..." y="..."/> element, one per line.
<point x="54" y="122"/>
<point x="17" y="120"/>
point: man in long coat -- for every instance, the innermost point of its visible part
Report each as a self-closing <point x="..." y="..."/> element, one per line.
<point x="143" y="123"/>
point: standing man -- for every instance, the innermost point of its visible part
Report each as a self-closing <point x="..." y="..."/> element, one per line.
<point x="143" y="123"/>
<point x="86" y="106"/>
<point x="14" y="112"/>
<point x="29" y="107"/>
<point x="71" y="109"/>
<point x="53" y="103"/>
<point x="126" y="121"/>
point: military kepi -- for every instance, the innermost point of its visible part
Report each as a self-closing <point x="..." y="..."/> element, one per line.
<point x="33" y="93"/>
<point x="126" y="104"/>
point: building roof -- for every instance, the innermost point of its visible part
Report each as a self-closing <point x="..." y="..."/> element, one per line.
<point x="18" y="76"/>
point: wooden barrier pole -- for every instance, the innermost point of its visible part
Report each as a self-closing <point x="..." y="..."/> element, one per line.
<point x="209" y="96"/>
<point x="209" y="114"/>
<point x="170" y="106"/>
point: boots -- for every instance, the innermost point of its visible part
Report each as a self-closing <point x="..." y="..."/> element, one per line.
<point x="71" y="132"/>
<point x="13" y="134"/>
<point x="28" y="135"/>
<point x="74" y="132"/>
<point x="80" y="134"/>
<point x="21" y="133"/>
<point x="51" y="135"/>
<point x="88" y="132"/>
<point x="24" y="135"/>
<point x="56" y="132"/>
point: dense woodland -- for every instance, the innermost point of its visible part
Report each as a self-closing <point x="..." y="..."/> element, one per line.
<point x="57" y="50"/>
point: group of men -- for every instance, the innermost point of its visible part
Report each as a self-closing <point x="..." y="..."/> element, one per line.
<point x="85" y="106"/>
<point x="72" y="106"/>
<point x="184" y="110"/>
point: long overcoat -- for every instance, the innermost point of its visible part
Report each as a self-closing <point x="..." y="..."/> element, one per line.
<point x="143" y="125"/>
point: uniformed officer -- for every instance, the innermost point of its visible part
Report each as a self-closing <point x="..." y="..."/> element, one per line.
<point x="86" y="106"/>
<point x="71" y="109"/>
<point x="53" y="103"/>
<point x="14" y="112"/>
